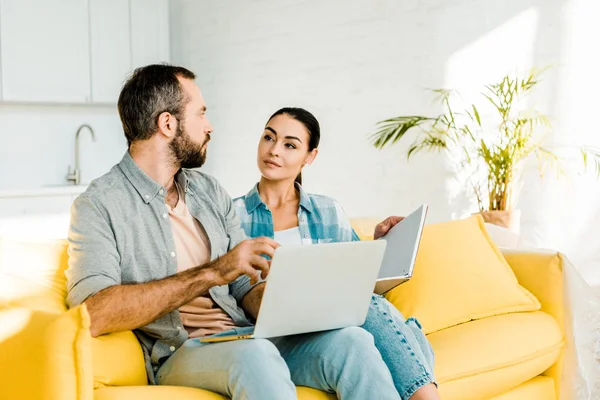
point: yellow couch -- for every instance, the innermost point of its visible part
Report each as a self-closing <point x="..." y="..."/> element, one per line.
<point x="46" y="352"/>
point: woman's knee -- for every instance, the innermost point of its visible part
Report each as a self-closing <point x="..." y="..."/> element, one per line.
<point x="353" y="340"/>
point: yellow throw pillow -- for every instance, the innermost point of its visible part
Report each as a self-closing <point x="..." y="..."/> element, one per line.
<point x="118" y="360"/>
<point x="460" y="275"/>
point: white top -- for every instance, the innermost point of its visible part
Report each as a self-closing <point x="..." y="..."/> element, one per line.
<point x="289" y="237"/>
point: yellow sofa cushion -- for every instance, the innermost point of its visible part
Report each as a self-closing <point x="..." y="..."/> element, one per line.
<point x="184" y="393"/>
<point x="483" y="358"/>
<point x="538" y="388"/>
<point x="118" y="360"/>
<point x="45" y="355"/>
<point x="460" y="275"/>
<point x="32" y="273"/>
<point x="155" y="393"/>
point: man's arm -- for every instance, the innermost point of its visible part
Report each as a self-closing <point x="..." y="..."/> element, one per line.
<point x="125" y="307"/>
<point x="94" y="275"/>
<point x="251" y="301"/>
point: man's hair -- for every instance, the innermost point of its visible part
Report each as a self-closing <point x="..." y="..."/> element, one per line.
<point x="150" y="91"/>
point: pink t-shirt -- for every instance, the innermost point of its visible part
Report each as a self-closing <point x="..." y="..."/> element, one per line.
<point x="201" y="316"/>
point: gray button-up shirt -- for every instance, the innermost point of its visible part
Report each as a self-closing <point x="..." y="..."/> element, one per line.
<point x="119" y="235"/>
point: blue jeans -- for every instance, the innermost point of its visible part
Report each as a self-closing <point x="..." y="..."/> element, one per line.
<point x="403" y="346"/>
<point x="343" y="361"/>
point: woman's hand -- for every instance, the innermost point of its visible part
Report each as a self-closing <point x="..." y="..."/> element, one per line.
<point x="384" y="226"/>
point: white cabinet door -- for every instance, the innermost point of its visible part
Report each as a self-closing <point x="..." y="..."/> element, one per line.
<point x="149" y="32"/>
<point x="35" y="216"/>
<point x="110" y="48"/>
<point x="45" y="50"/>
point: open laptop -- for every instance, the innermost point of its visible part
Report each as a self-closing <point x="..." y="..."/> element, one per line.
<point x="316" y="288"/>
<point x="401" y="252"/>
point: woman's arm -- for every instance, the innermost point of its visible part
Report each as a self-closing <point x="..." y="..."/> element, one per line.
<point x="251" y="301"/>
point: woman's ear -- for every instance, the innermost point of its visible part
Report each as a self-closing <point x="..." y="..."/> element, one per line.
<point x="311" y="157"/>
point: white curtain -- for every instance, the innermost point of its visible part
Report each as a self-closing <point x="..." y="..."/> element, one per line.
<point x="581" y="372"/>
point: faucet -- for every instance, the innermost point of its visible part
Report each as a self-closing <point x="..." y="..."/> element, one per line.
<point x="75" y="176"/>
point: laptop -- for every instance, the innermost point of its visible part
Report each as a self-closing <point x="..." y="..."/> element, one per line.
<point x="299" y="295"/>
<point x="401" y="252"/>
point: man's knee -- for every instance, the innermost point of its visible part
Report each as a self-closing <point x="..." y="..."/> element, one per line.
<point x="257" y="356"/>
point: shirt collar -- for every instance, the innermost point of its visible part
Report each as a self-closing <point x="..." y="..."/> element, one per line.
<point x="253" y="199"/>
<point x="147" y="187"/>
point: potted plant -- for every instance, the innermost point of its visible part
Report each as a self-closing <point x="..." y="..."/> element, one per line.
<point x="494" y="149"/>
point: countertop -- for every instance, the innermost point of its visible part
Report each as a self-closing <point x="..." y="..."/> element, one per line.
<point x="57" y="190"/>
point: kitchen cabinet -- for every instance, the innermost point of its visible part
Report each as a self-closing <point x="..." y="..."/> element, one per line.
<point x="19" y="207"/>
<point x="149" y="32"/>
<point x="43" y="212"/>
<point x="45" y="51"/>
<point x="77" y="51"/>
<point x="110" y="48"/>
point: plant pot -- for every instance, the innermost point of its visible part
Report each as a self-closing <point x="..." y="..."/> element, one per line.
<point x="510" y="219"/>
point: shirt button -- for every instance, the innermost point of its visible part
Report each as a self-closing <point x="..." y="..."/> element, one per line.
<point x="165" y="215"/>
<point x="161" y="191"/>
<point x="306" y="236"/>
<point x="180" y="327"/>
<point x="172" y="348"/>
<point x="155" y="369"/>
<point x="172" y="254"/>
<point x="147" y="196"/>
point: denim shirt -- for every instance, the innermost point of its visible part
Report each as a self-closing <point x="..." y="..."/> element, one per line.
<point x="120" y="234"/>
<point x="321" y="219"/>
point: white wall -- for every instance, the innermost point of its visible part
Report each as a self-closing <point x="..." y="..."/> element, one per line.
<point x="37" y="144"/>
<point x="353" y="66"/>
<point x="355" y="62"/>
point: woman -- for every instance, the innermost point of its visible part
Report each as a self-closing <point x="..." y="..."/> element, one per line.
<point x="279" y="208"/>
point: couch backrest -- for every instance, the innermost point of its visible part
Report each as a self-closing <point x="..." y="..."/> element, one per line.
<point x="365" y="226"/>
<point x="32" y="273"/>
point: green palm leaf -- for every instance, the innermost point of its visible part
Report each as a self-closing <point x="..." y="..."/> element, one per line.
<point x="393" y="129"/>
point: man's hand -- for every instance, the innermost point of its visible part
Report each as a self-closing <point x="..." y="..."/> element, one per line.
<point x="244" y="259"/>
<point x="384" y="226"/>
<point x="125" y="307"/>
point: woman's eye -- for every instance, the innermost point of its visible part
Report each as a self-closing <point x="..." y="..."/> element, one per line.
<point x="268" y="137"/>
<point x="290" y="146"/>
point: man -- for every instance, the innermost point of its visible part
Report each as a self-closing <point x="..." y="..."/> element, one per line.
<point x="157" y="248"/>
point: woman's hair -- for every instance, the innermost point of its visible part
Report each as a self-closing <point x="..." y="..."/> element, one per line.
<point x="310" y="123"/>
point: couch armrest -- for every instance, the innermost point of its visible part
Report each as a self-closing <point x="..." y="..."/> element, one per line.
<point x="541" y="272"/>
<point x="45" y="355"/>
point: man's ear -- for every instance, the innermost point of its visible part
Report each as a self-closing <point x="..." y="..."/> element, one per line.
<point x="311" y="157"/>
<point x="167" y="124"/>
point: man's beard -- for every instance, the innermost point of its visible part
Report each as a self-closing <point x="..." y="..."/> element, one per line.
<point x="188" y="154"/>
